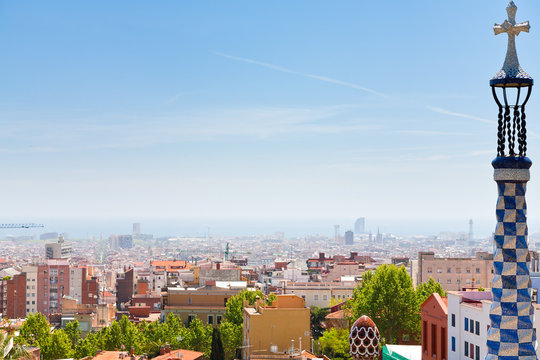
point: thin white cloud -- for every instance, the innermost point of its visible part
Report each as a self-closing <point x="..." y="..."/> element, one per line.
<point x="465" y="116"/>
<point x="311" y="76"/>
<point x="431" y="133"/>
<point x="173" y="99"/>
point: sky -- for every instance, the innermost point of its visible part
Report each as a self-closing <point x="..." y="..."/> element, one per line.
<point x="256" y="110"/>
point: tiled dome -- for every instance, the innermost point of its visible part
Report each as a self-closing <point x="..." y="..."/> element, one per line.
<point x="364" y="339"/>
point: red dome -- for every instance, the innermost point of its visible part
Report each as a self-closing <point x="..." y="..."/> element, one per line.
<point x="364" y="339"/>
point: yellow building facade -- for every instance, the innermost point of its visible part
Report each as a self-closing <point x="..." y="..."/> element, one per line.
<point x="278" y="328"/>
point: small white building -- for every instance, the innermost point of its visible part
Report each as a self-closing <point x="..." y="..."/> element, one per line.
<point x="468" y="323"/>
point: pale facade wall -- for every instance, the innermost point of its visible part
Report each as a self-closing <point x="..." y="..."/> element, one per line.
<point x="340" y="270"/>
<point x="75" y="283"/>
<point x="320" y="295"/>
<point x="268" y="330"/>
<point x="31" y="288"/>
<point x="455" y="273"/>
<point x="476" y="313"/>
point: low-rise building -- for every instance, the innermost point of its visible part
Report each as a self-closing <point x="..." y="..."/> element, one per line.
<point x="273" y="329"/>
<point x="206" y="302"/>
<point x="456" y="273"/>
<point x="434" y="327"/>
<point x="320" y="294"/>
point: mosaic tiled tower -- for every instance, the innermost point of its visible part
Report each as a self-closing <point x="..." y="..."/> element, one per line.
<point x="511" y="335"/>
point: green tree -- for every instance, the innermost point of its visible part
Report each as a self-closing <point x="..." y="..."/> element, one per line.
<point x="231" y="334"/>
<point x="9" y="349"/>
<point x="87" y="346"/>
<point x="388" y="297"/>
<point x="335" y="344"/>
<point x="199" y="337"/>
<point x="57" y="346"/>
<point x="73" y="331"/>
<point x="317" y="317"/>
<point x="424" y="290"/>
<point x="235" y="305"/>
<point x="35" y="329"/>
<point x="217" y="352"/>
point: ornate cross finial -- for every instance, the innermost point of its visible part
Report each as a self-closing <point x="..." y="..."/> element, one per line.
<point x="511" y="68"/>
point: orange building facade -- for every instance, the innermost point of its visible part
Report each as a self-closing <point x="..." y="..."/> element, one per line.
<point x="434" y="328"/>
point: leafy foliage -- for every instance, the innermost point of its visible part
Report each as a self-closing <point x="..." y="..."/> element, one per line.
<point x="231" y="335"/>
<point x="335" y="344"/>
<point x="217" y="352"/>
<point x="73" y="331"/>
<point x="424" y="290"/>
<point x="235" y="305"/>
<point x="9" y="349"/>
<point x="35" y="329"/>
<point x="144" y="337"/>
<point x="317" y="316"/>
<point x="388" y="297"/>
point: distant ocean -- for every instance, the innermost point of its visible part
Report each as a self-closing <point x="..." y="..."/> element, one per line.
<point x="87" y="228"/>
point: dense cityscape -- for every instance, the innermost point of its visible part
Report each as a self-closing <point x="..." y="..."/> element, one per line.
<point x="134" y="111"/>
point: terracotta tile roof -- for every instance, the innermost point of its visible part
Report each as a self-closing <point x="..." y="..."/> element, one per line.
<point x="186" y="355"/>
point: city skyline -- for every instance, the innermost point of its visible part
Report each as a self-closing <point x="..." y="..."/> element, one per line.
<point x="254" y="111"/>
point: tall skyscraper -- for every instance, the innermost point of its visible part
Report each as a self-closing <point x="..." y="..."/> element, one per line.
<point x="360" y="226"/>
<point x="136" y="228"/>
<point x="471" y="233"/>
<point x="349" y="237"/>
<point x="337" y="233"/>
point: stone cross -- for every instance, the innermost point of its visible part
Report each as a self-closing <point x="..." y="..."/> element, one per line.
<point x="511" y="63"/>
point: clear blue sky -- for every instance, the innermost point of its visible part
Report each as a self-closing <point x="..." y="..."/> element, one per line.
<point x="255" y="109"/>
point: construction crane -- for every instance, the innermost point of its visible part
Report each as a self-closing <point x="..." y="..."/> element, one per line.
<point x="20" y="226"/>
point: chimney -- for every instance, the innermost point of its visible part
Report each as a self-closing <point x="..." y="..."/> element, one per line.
<point x="321" y="256"/>
<point x="162" y="350"/>
<point x="132" y="351"/>
<point x="167" y="349"/>
<point x="218" y="266"/>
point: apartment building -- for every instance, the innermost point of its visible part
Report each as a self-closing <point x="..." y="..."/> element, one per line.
<point x="454" y="274"/>
<point x="468" y="323"/>
<point x="271" y="330"/>
<point x="206" y="302"/>
<point x="320" y="293"/>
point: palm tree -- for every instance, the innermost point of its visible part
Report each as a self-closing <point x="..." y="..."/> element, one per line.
<point x="9" y="350"/>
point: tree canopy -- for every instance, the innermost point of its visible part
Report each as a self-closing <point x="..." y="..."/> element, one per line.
<point x="388" y="297"/>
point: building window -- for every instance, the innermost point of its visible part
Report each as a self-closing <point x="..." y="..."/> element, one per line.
<point x="466" y="348"/>
<point x="210" y="319"/>
<point x="189" y="301"/>
<point x="453" y="320"/>
<point x="471" y="325"/>
<point x="439" y="271"/>
<point x="466" y="324"/>
<point x="477" y="351"/>
<point x="316" y="297"/>
<point x="448" y="281"/>
<point x="444" y="342"/>
<point x="219" y="319"/>
<point x="449" y="270"/>
<point x="190" y="318"/>
<point x="471" y="352"/>
<point x="478" y="270"/>
<point x="429" y="270"/>
<point x="424" y="336"/>
<point x="468" y="270"/>
<point x="434" y="340"/>
<point x="325" y="297"/>
<point x="477" y="328"/>
<point x="468" y="281"/>
<point x="304" y="297"/>
<point x="453" y="343"/>
<point x="458" y="270"/>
